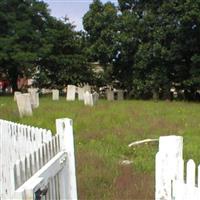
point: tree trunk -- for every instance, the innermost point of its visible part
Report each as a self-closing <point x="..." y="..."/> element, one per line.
<point x="155" y="94"/>
<point x="13" y="74"/>
<point x="166" y="93"/>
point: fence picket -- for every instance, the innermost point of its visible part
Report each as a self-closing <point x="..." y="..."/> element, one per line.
<point x="50" y="150"/>
<point x="34" y="162"/>
<point x="56" y="144"/>
<point x="30" y="166"/>
<point x="190" y="176"/>
<point x="43" y="155"/>
<point x="26" y="168"/>
<point x="25" y="150"/>
<point x="53" y="146"/>
<point x="198" y="182"/>
<point x="18" y="173"/>
<point x="39" y="154"/>
<point x="180" y="189"/>
<point x="47" y="152"/>
<point x="15" y="176"/>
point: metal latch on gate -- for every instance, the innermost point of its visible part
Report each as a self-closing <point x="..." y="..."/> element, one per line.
<point x="41" y="193"/>
<point x="63" y="159"/>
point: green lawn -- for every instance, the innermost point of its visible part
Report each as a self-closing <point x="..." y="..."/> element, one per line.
<point x="102" y="134"/>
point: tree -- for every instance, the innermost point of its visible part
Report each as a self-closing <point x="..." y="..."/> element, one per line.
<point x="62" y="60"/>
<point x="100" y="25"/>
<point x="154" y="45"/>
<point x="22" y="23"/>
<point x="165" y="55"/>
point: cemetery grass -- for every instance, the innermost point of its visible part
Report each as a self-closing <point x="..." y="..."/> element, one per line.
<point x="102" y="134"/>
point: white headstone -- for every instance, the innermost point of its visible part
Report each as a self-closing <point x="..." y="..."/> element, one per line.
<point x="24" y="104"/>
<point x="71" y="92"/>
<point x="55" y="94"/>
<point x="87" y="98"/>
<point x="110" y="95"/>
<point x="90" y="99"/>
<point x="34" y="95"/>
<point x="80" y="93"/>
<point x="95" y="98"/>
<point x="15" y="94"/>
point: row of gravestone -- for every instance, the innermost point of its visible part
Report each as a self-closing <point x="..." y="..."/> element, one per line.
<point x="83" y="94"/>
<point x="72" y="90"/>
<point x="28" y="101"/>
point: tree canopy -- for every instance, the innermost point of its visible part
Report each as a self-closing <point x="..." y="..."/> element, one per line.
<point x="21" y="27"/>
<point x="33" y="43"/>
<point x="153" y="45"/>
<point x="62" y="60"/>
<point x="145" y="47"/>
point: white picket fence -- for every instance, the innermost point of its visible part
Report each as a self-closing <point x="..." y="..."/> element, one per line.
<point x="35" y="164"/>
<point x="171" y="181"/>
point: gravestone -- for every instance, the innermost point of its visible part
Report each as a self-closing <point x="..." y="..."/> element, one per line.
<point x="80" y="93"/>
<point x="55" y="95"/>
<point x="15" y="94"/>
<point x="90" y="99"/>
<point x="34" y="96"/>
<point x="120" y="94"/>
<point x="110" y="95"/>
<point x="71" y="92"/>
<point x="24" y="104"/>
<point x="87" y="98"/>
<point x="95" y="98"/>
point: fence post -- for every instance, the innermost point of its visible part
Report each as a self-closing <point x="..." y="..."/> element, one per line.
<point x="169" y="165"/>
<point x="68" y="189"/>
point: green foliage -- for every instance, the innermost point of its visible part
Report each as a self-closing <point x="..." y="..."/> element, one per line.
<point x="22" y="24"/>
<point x="154" y="45"/>
<point x="62" y="60"/>
<point x="35" y="44"/>
<point x="99" y="22"/>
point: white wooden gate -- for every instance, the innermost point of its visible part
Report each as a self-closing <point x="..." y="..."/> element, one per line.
<point x="35" y="164"/>
<point x="170" y="177"/>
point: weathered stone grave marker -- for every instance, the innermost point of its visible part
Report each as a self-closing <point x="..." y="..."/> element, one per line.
<point x="90" y="99"/>
<point x="15" y="94"/>
<point x="24" y="104"/>
<point x="71" y="92"/>
<point x="55" y="94"/>
<point x="87" y="98"/>
<point x="110" y="95"/>
<point x="80" y="93"/>
<point x="34" y="96"/>
<point x="95" y="98"/>
<point x="120" y="95"/>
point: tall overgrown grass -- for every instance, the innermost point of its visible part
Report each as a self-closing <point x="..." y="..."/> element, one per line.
<point x="102" y="134"/>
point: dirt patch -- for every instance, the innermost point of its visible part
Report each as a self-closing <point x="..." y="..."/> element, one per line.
<point x="94" y="177"/>
<point x="91" y="135"/>
<point x="163" y="124"/>
<point x="133" y="185"/>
